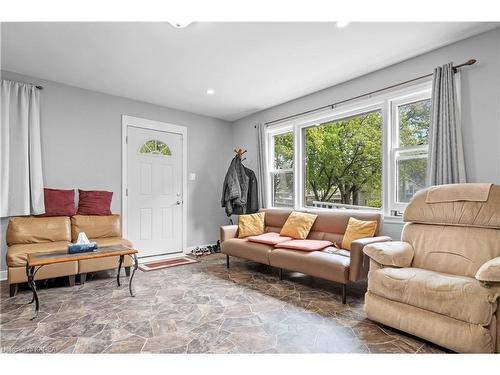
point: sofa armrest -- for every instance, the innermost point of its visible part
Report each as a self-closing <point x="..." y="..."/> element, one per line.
<point x="359" y="266"/>
<point x="489" y="272"/>
<point x="396" y="253"/>
<point x="227" y="232"/>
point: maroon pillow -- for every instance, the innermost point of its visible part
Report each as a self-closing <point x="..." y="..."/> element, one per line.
<point x="96" y="202"/>
<point x="59" y="202"/>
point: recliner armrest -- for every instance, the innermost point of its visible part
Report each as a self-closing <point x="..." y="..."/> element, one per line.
<point x="395" y="253"/>
<point x="358" y="268"/>
<point x="489" y="271"/>
<point x="227" y="232"/>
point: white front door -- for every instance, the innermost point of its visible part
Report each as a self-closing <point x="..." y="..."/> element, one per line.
<point x="155" y="186"/>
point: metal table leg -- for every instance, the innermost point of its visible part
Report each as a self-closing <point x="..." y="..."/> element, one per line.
<point x="119" y="269"/>
<point x="30" y="272"/>
<point x="136" y="265"/>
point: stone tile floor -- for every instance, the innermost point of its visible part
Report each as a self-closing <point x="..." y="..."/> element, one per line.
<point x="199" y="308"/>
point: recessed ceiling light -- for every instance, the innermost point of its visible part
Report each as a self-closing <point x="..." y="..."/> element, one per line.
<point x="180" y="25"/>
<point x="342" y="24"/>
<point x="210" y="92"/>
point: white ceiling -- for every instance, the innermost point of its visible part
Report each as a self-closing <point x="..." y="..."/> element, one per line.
<point x="251" y="66"/>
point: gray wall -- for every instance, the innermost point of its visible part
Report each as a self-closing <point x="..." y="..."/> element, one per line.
<point x="81" y="146"/>
<point x="75" y="121"/>
<point x="480" y="103"/>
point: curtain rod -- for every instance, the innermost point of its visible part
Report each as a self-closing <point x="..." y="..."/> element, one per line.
<point x="455" y="69"/>
<point x="37" y="86"/>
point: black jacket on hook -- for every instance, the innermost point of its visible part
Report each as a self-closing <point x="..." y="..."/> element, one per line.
<point x="239" y="191"/>
<point x="253" y="193"/>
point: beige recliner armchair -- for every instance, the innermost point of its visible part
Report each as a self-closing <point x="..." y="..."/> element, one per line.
<point x="442" y="281"/>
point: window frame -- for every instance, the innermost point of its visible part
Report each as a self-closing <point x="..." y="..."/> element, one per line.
<point x="386" y="103"/>
<point x="398" y="152"/>
<point x="271" y="133"/>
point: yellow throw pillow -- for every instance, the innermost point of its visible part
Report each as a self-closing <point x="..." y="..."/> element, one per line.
<point x="357" y="229"/>
<point x="251" y="225"/>
<point x="298" y="225"/>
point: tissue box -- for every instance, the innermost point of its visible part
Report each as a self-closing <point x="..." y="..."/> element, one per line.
<point x="75" y="248"/>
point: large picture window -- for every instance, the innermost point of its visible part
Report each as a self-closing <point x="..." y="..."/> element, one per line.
<point x="343" y="162"/>
<point x="369" y="155"/>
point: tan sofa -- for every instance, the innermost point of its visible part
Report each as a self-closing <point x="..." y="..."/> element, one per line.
<point x="27" y="235"/>
<point x="442" y="281"/>
<point x="333" y="264"/>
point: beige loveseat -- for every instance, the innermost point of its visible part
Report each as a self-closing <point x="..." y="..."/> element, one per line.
<point x="442" y="281"/>
<point x="333" y="264"/>
<point x="29" y="234"/>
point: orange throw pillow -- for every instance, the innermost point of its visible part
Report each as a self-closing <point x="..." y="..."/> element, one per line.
<point x="298" y="225"/>
<point x="357" y="229"/>
<point x="251" y="225"/>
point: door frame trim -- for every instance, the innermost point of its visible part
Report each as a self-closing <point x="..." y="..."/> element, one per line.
<point x="166" y="128"/>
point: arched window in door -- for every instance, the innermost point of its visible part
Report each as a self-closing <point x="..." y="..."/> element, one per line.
<point x="155" y="147"/>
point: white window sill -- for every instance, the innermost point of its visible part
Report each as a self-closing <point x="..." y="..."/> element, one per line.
<point x="394" y="219"/>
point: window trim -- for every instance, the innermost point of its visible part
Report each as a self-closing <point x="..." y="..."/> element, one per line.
<point x="270" y="134"/>
<point x="384" y="103"/>
<point x="416" y="94"/>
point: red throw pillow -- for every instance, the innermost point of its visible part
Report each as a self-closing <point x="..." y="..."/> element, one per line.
<point x="59" y="202"/>
<point x="304" y="245"/>
<point x="96" y="202"/>
<point x="269" y="238"/>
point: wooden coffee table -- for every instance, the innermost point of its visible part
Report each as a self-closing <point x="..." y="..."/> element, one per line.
<point x="38" y="260"/>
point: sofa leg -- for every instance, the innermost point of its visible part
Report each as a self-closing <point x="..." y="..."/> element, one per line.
<point x="83" y="278"/>
<point x="281" y="273"/>
<point x="227" y="261"/>
<point x="71" y="280"/>
<point x="13" y="289"/>
<point x="127" y="271"/>
<point x="344" y="294"/>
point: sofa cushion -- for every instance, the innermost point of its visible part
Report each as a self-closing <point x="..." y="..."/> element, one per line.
<point x="458" y="297"/>
<point x="270" y="238"/>
<point x="101" y="264"/>
<point x="18" y="274"/>
<point x="304" y="245"/>
<point x="111" y="241"/>
<point x="17" y="254"/>
<point x="96" y="202"/>
<point x="251" y="225"/>
<point x="95" y="226"/>
<point x="242" y="248"/>
<point x="326" y="264"/>
<point x="298" y="225"/>
<point x="30" y="229"/>
<point x="59" y="202"/>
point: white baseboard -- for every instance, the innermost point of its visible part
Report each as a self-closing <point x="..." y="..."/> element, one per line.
<point x="3" y="275"/>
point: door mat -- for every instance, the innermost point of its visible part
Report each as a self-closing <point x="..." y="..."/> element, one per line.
<point x="167" y="263"/>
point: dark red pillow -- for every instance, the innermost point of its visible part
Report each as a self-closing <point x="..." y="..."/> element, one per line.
<point x="59" y="202"/>
<point x="96" y="202"/>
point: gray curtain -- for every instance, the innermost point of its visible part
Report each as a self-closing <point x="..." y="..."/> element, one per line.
<point x="21" y="186"/>
<point x="446" y="155"/>
<point x="261" y="164"/>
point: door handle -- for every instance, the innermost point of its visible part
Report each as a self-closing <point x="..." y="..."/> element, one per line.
<point x="178" y="203"/>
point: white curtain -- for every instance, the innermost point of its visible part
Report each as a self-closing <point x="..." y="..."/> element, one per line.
<point x="446" y="154"/>
<point x="20" y="150"/>
<point x="261" y="164"/>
